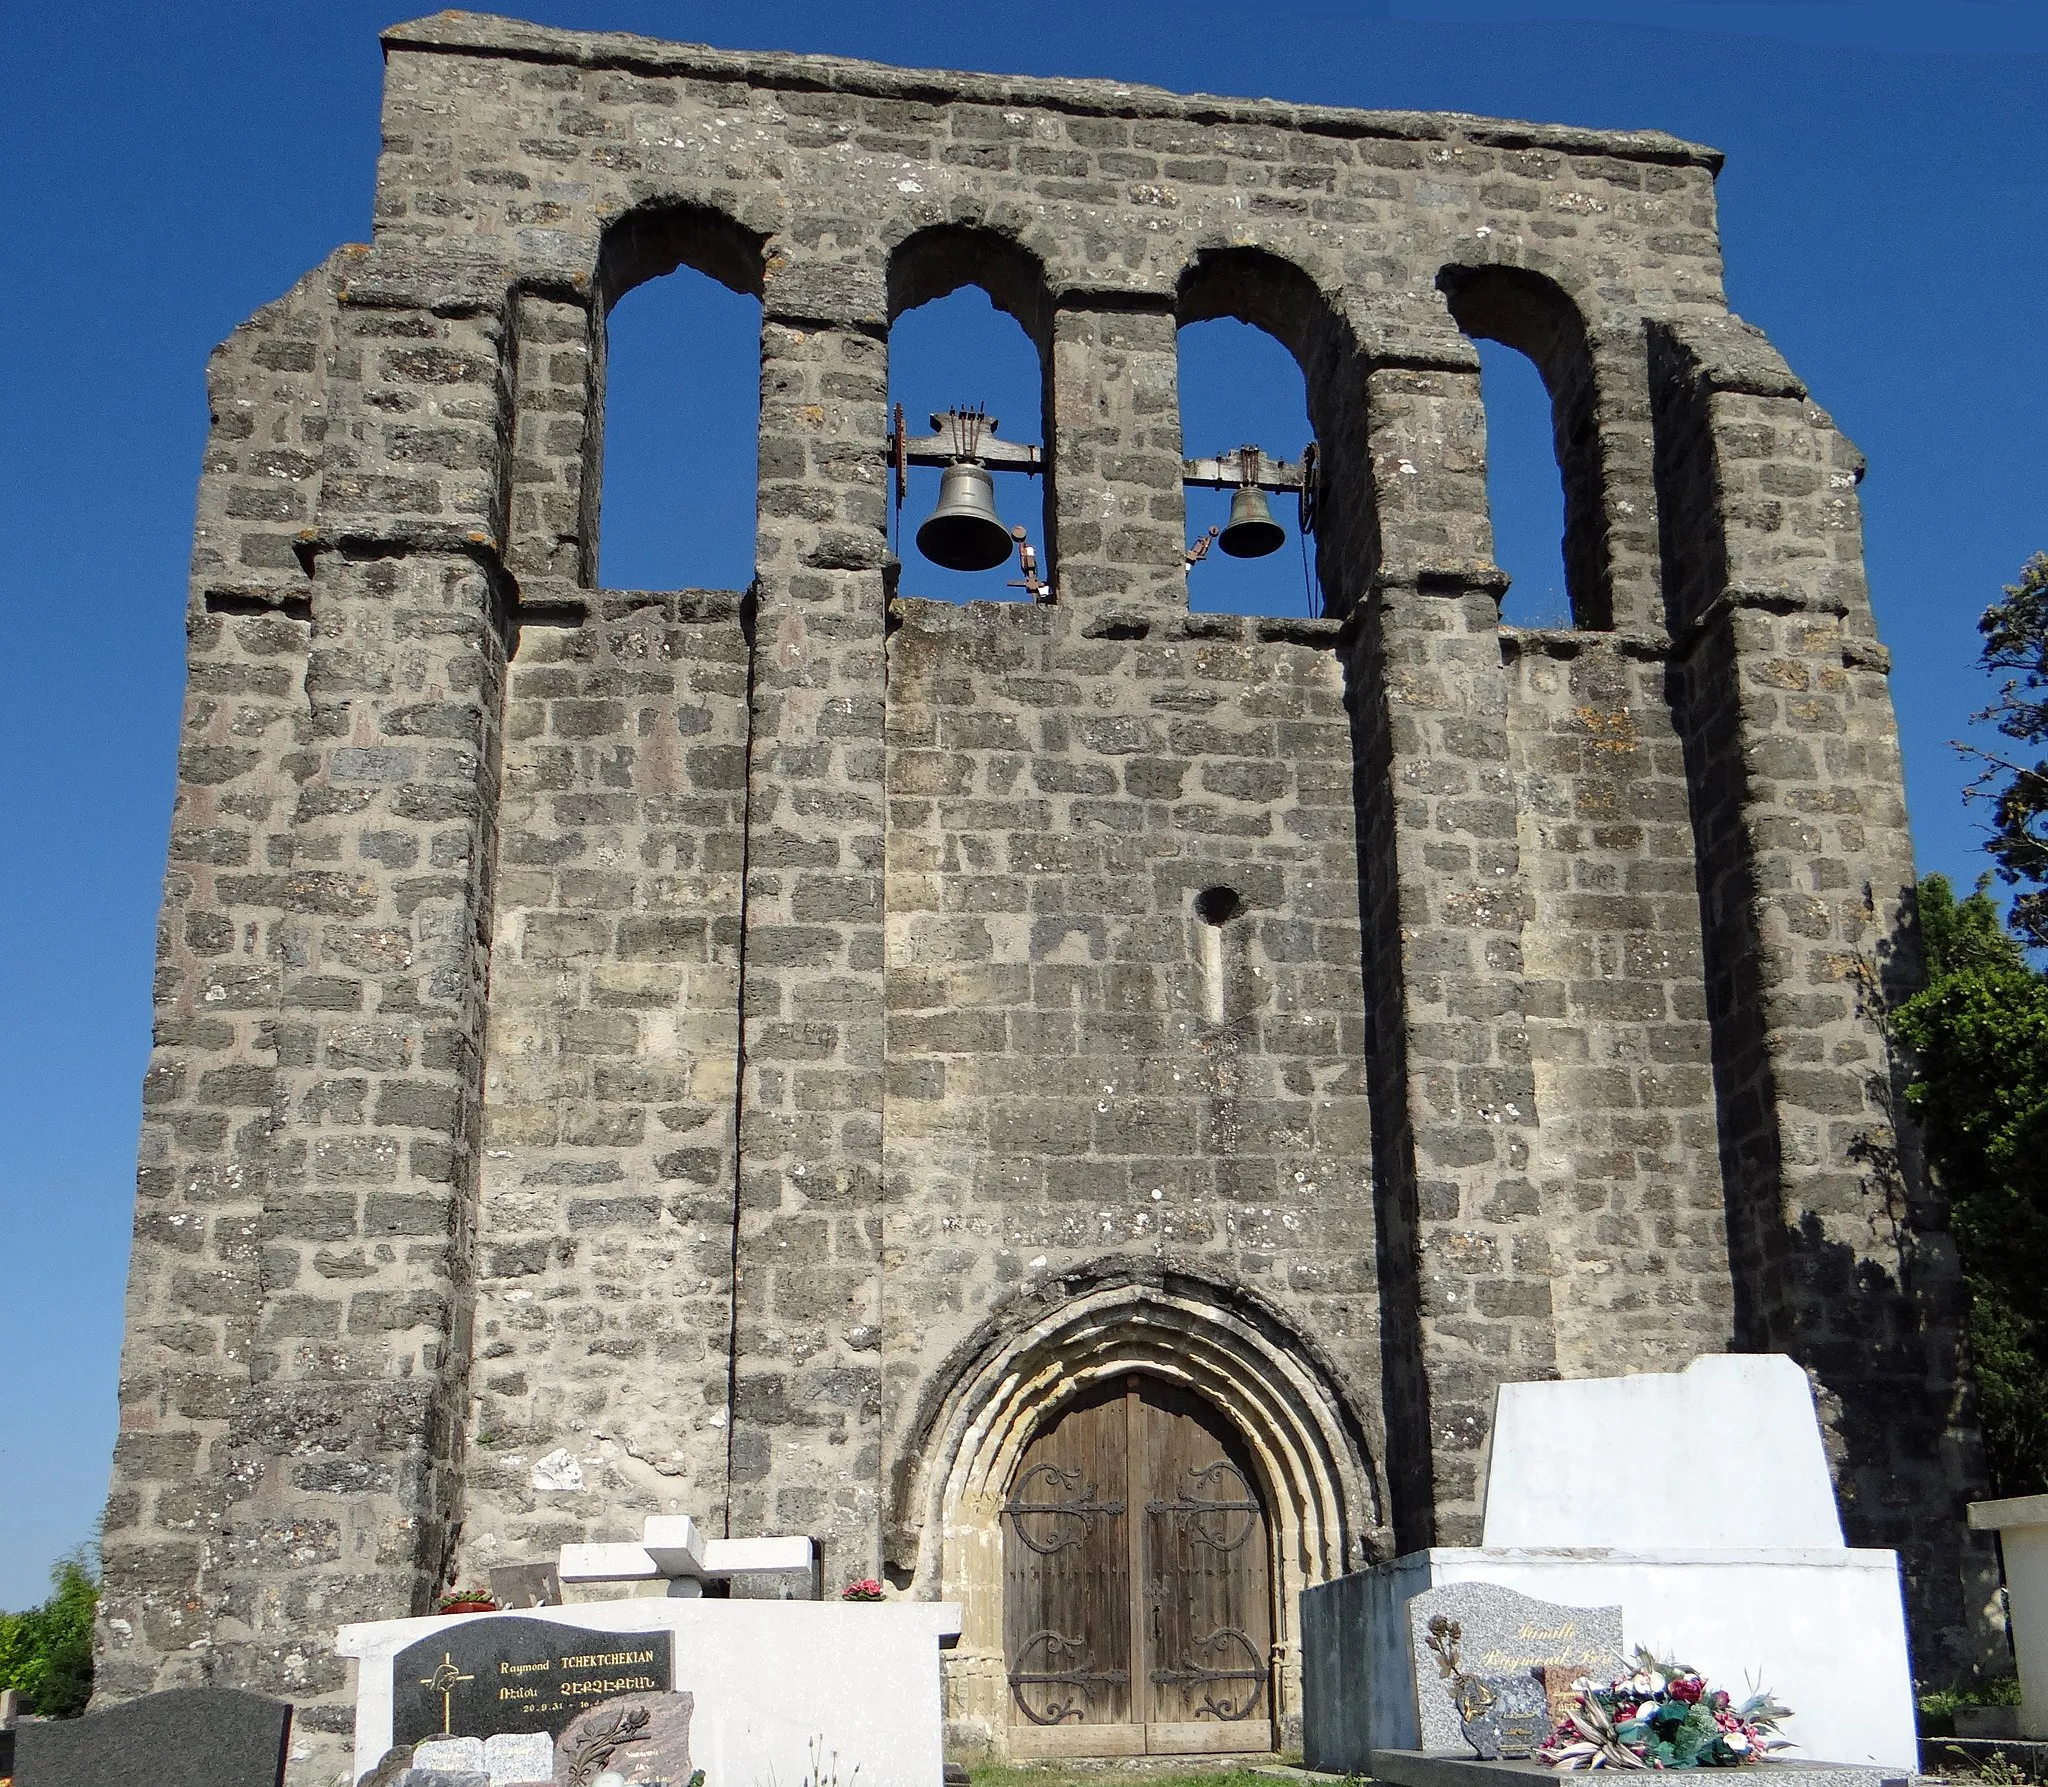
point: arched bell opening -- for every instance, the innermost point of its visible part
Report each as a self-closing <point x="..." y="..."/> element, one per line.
<point x="1334" y="563"/>
<point x="671" y="458"/>
<point x="1295" y="1436"/>
<point x="1545" y="470"/>
<point x="970" y="325"/>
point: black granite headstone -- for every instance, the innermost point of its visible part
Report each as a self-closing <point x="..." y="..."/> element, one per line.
<point x="183" y="1737"/>
<point x="503" y="1672"/>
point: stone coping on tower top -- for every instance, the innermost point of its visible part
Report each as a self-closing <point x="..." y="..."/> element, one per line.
<point x="478" y="33"/>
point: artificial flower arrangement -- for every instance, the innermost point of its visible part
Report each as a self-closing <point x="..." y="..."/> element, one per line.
<point x="1663" y="1716"/>
<point x="866" y="1589"/>
<point x="466" y="1600"/>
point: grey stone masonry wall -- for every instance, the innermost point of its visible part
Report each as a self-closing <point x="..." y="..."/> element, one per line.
<point x="604" y="1227"/>
<point x="717" y="1051"/>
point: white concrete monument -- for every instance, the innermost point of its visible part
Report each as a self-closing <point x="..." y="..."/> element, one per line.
<point x="1723" y="1550"/>
<point x="770" y="1678"/>
<point x="2021" y="1524"/>
<point x="776" y="1683"/>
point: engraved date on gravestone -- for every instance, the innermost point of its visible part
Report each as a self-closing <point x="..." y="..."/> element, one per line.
<point x="503" y="1672"/>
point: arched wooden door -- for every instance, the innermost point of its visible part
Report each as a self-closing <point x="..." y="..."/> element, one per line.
<point x="1137" y="1598"/>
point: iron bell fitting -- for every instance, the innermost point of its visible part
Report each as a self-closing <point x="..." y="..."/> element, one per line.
<point x="1252" y="532"/>
<point x="963" y="533"/>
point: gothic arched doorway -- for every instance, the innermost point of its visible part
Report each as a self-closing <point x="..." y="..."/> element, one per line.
<point x="1137" y="1581"/>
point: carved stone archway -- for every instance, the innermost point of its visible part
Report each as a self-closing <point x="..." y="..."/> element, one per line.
<point x="1326" y="1500"/>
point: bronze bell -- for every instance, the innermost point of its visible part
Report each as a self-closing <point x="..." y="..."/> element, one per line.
<point x="1251" y="532"/>
<point x="962" y="533"/>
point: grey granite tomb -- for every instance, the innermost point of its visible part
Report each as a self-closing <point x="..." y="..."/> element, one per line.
<point x="183" y="1737"/>
<point x="1504" y="1633"/>
<point x="1370" y="1681"/>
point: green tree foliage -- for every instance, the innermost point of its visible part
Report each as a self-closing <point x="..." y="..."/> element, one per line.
<point x="2015" y="634"/>
<point x="47" y="1651"/>
<point x="1980" y="1032"/>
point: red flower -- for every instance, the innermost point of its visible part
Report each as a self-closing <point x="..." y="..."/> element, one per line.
<point x="1688" y="1688"/>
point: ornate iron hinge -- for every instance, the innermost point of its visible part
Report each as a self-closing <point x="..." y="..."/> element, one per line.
<point x="1193" y="1675"/>
<point x="1077" y="1507"/>
<point x="1058" y="1645"/>
<point x="1190" y="1510"/>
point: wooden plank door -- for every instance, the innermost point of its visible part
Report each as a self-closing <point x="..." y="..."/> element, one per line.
<point x="1137" y="1586"/>
<point x="1066" y="1587"/>
<point x="1209" y="1612"/>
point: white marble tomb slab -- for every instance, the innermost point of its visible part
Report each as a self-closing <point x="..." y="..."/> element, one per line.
<point x="1580" y="1462"/>
<point x="768" y="1676"/>
<point x="2021" y="1523"/>
<point x="1724" y="1551"/>
<point x="1824" y="1629"/>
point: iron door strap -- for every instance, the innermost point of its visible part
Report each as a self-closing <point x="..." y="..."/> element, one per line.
<point x="1057" y="1648"/>
<point x="1071" y="1519"/>
<point x="1220" y="1644"/>
<point x="1191" y="1509"/>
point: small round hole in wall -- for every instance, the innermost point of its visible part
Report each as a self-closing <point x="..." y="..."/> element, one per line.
<point x="1217" y="905"/>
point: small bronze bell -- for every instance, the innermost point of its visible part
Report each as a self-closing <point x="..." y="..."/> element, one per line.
<point x="963" y="533"/>
<point x="1251" y="531"/>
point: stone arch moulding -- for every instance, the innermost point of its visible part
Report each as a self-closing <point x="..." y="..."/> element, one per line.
<point x="936" y="261"/>
<point x="1014" y="1376"/>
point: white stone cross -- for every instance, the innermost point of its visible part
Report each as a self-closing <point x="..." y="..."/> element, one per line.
<point x="672" y="1548"/>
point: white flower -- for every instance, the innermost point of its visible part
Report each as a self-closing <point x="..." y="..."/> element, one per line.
<point x="1647" y="1710"/>
<point x="1656" y="1682"/>
<point x="1736" y="1742"/>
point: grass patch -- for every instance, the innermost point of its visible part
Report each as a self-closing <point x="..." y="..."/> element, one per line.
<point x="1110" y="1770"/>
<point x="1938" y="1707"/>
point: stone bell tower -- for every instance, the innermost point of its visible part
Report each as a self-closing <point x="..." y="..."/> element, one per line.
<point x="819" y="1057"/>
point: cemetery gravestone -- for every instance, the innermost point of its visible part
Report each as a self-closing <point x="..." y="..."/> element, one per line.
<point x="506" y="1674"/>
<point x="645" y="1738"/>
<point x="1516" y="1719"/>
<point x="184" y="1737"/>
<point x="1504" y="1638"/>
<point x="511" y="1759"/>
<point x="514" y="1586"/>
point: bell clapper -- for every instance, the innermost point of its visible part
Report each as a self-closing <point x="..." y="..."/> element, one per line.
<point x="1027" y="560"/>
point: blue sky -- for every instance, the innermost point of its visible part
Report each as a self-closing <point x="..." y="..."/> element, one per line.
<point x="172" y="168"/>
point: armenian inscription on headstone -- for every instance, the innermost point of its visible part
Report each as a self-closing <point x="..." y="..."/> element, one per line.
<point x="1502" y="1634"/>
<point x="502" y="1672"/>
